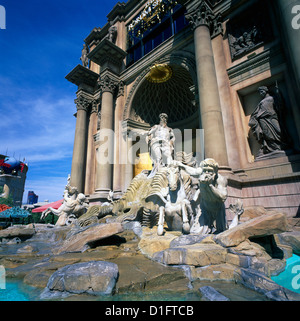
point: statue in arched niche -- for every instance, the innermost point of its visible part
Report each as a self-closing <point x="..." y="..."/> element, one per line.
<point x="265" y="123"/>
<point x="160" y="140"/>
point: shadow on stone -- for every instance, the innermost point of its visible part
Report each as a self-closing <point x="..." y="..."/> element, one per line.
<point x="269" y="244"/>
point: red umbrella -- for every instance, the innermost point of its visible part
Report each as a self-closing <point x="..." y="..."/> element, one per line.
<point x="54" y="205"/>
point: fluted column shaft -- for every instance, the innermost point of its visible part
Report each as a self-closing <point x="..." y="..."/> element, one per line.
<point x="202" y="20"/>
<point x="104" y="162"/>
<point x="80" y="144"/>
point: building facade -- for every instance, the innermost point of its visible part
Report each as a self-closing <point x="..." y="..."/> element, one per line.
<point x="201" y="62"/>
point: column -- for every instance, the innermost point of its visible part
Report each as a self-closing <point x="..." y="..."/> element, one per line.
<point x="90" y="161"/>
<point x="104" y="162"/>
<point x="225" y="98"/>
<point x="201" y="18"/>
<point x="117" y="184"/>
<point x="80" y="144"/>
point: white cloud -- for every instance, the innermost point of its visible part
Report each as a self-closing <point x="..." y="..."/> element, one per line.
<point x="41" y="128"/>
<point x="48" y="188"/>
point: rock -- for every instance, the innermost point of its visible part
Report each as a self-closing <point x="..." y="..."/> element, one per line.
<point x="262" y="284"/>
<point x="252" y="212"/>
<point x="134" y="226"/>
<point x="187" y="240"/>
<point x="138" y="274"/>
<point x="95" y="278"/>
<point x="196" y="255"/>
<point x="26" y="249"/>
<point x="151" y="243"/>
<point x="79" y="242"/>
<point x="258" y="227"/>
<point x="212" y="294"/>
<point x="20" y="232"/>
<point x="221" y="272"/>
<point x="292" y="239"/>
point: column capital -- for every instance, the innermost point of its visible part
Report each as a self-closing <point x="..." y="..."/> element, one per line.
<point x="107" y="84"/>
<point x="82" y="103"/>
<point x="199" y="14"/>
<point x="95" y="104"/>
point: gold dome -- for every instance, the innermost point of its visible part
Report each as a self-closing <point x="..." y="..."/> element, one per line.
<point x="160" y="73"/>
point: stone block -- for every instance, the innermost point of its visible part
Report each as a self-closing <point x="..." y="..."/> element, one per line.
<point x="79" y="242"/>
<point x="212" y="294"/>
<point x="95" y="278"/>
<point x="196" y="255"/>
<point x="261" y="226"/>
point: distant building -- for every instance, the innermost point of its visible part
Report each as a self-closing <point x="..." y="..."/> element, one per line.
<point x="32" y="198"/>
<point x="14" y="185"/>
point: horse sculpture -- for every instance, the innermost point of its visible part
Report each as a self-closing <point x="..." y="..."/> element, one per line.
<point x="174" y="206"/>
<point x="72" y="207"/>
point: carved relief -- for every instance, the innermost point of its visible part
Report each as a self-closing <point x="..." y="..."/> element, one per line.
<point x="249" y="30"/>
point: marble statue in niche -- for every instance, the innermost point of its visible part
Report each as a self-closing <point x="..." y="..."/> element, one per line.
<point x="266" y="125"/>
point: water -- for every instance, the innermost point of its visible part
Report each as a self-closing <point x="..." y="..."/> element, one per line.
<point x="290" y="278"/>
<point x="18" y="291"/>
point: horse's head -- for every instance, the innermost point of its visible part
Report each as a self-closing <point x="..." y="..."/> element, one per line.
<point x="173" y="176"/>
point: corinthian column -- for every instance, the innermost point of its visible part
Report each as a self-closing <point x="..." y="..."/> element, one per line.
<point x="105" y="153"/>
<point x="202" y="20"/>
<point x="90" y="161"/>
<point x="80" y="144"/>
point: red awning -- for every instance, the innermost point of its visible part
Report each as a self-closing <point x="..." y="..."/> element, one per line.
<point x="54" y="205"/>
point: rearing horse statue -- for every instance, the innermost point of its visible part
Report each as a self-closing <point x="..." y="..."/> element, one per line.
<point x="174" y="207"/>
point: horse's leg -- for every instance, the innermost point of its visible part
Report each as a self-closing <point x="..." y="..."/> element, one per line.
<point x="161" y="221"/>
<point x="185" y="220"/>
<point x="62" y="219"/>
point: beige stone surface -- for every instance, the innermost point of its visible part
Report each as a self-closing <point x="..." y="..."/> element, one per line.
<point x="17" y="232"/>
<point x="78" y="242"/>
<point x="196" y="255"/>
<point x="221" y="272"/>
<point x="258" y="227"/>
<point x="151" y="243"/>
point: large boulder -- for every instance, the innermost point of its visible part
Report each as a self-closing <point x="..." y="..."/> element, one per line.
<point x="292" y="239"/>
<point x="151" y="243"/>
<point x="196" y="255"/>
<point x="80" y="241"/>
<point x="95" y="278"/>
<point x="257" y="281"/>
<point x="21" y="232"/>
<point x="260" y="226"/>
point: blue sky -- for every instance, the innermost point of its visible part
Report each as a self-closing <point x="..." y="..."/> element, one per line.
<point x="41" y="44"/>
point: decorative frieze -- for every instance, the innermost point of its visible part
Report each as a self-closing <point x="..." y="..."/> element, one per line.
<point x="249" y="30"/>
